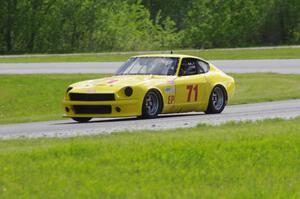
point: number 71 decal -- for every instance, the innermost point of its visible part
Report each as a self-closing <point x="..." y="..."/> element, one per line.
<point x="190" y="89"/>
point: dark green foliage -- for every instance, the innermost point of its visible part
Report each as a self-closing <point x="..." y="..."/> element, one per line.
<point x="233" y="23"/>
<point x="50" y="26"/>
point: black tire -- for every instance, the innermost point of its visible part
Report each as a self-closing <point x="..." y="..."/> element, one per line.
<point x="217" y="101"/>
<point x="152" y="105"/>
<point x="82" y="119"/>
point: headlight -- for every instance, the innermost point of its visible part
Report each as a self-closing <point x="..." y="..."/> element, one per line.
<point x="70" y="88"/>
<point x="128" y="91"/>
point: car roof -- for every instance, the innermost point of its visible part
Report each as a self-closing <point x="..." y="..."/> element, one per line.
<point x="168" y="55"/>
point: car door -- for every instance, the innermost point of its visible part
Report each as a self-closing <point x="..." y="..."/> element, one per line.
<point x="191" y="86"/>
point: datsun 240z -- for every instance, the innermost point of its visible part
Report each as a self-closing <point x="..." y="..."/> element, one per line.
<point x="148" y="85"/>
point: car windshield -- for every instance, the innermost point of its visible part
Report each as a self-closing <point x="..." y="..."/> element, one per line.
<point x="149" y="66"/>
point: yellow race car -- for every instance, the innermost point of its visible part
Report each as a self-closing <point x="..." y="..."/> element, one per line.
<point x="148" y="85"/>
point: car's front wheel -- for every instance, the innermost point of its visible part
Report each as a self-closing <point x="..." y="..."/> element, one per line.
<point x="151" y="105"/>
<point x="82" y="119"/>
<point x="217" y="101"/>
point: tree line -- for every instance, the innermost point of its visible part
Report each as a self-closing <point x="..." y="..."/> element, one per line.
<point x="55" y="26"/>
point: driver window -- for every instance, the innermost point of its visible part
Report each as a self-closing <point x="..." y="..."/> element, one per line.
<point x="188" y="67"/>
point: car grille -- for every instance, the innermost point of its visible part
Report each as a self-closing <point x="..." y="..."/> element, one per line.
<point x="92" y="109"/>
<point x="92" y="97"/>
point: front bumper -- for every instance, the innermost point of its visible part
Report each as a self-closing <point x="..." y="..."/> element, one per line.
<point x="118" y="108"/>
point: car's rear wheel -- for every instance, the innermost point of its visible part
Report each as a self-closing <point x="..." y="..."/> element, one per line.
<point x="217" y="101"/>
<point x="151" y="105"/>
<point x="81" y="119"/>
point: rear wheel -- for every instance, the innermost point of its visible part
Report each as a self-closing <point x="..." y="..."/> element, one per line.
<point x="217" y="101"/>
<point x="151" y="105"/>
<point x="82" y="119"/>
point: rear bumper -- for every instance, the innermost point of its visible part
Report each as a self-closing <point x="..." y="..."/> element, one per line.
<point x="118" y="108"/>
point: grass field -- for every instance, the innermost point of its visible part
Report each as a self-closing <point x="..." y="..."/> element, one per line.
<point x="235" y="160"/>
<point x="26" y="98"/>
<point x="278" y="53"/>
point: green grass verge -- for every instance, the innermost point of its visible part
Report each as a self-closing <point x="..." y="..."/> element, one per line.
<point x="280" y="53"/>
<point x="235" y="160"/>
<point x="27" y="98"/>
<point x="264" y="87"/>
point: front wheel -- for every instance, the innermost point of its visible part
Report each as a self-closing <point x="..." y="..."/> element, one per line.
<point x="151" y="105"/>
<point x="217" y="101"/>
<point x="82" y="119"/>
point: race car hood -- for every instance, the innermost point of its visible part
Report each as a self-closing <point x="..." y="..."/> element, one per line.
<point x="115" y="83"/>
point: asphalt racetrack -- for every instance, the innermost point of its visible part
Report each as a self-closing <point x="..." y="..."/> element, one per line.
<point x="288" y="66"/>
<point x="67" y="128"/>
